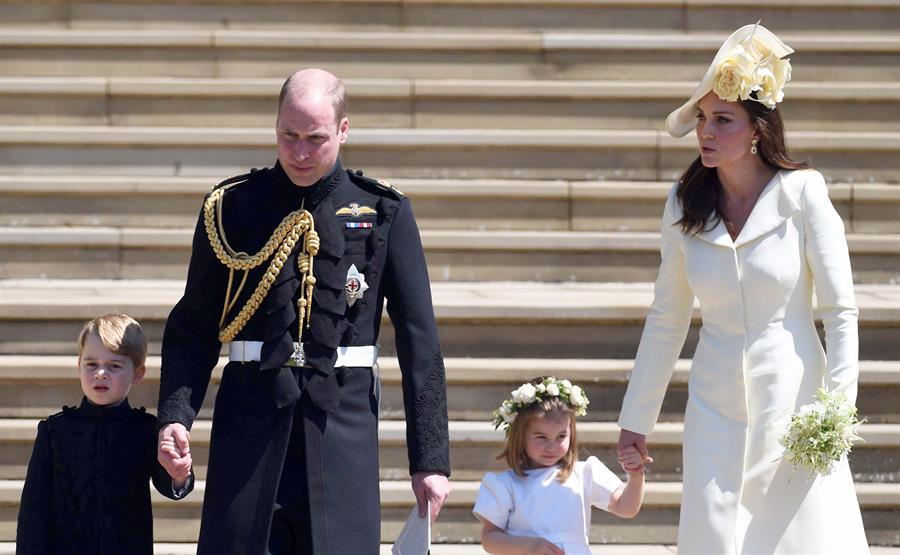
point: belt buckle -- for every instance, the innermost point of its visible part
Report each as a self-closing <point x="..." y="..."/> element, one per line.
<point x="298" y="357"/>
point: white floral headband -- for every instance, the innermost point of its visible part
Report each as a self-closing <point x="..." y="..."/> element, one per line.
<point x="528" y="393"/>
<point x="750" y="67"/>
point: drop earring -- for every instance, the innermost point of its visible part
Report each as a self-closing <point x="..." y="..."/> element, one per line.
<point x="753" y="149"/>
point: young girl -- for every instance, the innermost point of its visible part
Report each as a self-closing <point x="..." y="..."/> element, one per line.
<point x="542" y="504"/>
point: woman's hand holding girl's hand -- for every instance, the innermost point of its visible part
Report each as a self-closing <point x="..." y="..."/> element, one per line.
<point x="629" y="439"/>
<point x="631" y="460"/>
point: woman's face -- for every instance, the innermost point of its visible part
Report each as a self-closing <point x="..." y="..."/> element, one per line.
<point x="724" y="131"/>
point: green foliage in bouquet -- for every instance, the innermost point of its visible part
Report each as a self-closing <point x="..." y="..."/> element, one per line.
<point x="820" y="433"/>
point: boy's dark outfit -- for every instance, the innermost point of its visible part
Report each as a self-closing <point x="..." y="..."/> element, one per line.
<point x="86" y="490"/>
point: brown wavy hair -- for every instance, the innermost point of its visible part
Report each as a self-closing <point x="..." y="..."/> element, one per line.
<point x="120" y="334"/>
<point x="514" y="452"/>
<point x="699" y="190"/>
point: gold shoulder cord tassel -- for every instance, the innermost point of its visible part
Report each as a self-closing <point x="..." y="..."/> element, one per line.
<point x="295" y="225"/>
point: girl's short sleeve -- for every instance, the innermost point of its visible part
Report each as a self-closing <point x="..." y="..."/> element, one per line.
<point x="494" y="501"/>
<point x="599" y="482"/>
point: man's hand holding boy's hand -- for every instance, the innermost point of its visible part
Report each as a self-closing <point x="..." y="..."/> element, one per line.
<point x="174" y="453"/>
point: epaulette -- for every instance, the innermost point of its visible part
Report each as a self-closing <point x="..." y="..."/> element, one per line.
<point x="238" y="179"/>
<point x="380" y="184"/>
<point x="55" y="417"/>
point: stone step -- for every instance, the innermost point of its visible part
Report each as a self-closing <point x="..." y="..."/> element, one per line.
<point x="453" y="255"/>
<point x="495" y="319"/>
<point x="419" y="153"/>
<point x="495" y="16"/>
<point x="422" y="103"/>
<point x="161" y="548"/>
<point x="35" y="386"/>
<point x="474" y="447"/>
<point x="483" y="204"/>
<point x="178" y="521"/>
<point x="193" y="52"/>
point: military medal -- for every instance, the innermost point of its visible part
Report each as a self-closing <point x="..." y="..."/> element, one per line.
<point x="356" y="285"/>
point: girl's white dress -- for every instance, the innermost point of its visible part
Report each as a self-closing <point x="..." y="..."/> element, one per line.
<point x="538" y="505"/>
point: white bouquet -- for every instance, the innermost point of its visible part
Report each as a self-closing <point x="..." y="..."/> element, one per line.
<point x="821" y="433"/>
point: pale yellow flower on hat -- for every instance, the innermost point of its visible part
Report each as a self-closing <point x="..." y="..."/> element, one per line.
<point x="749" y="61"/>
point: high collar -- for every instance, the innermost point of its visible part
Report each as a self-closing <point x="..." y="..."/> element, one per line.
<point x="97" y="412"/>
<point x="312" y="194"/>
<point x="773" y="206"/>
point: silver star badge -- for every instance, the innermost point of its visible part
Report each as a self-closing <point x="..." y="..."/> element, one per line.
<point x="356" y="285"/>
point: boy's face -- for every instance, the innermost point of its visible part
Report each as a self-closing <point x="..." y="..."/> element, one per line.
<point x="106" y="378"/>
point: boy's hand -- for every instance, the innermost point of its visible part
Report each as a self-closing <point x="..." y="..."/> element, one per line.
<point x="174" y="451"/>
<point x="631" y="460"/>
<point x="176" y="464"/>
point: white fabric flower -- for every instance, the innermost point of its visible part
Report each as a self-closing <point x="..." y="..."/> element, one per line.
<point x="735" y="77"/>
<point x="771" y="79"/>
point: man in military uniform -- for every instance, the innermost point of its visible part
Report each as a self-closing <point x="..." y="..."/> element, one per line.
<point x="290" y="267"/>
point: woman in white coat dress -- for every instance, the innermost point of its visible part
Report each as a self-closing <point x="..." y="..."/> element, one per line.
<point x="750" y="234"/>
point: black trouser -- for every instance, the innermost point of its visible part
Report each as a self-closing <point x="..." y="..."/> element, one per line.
<point x="328" y="496"/>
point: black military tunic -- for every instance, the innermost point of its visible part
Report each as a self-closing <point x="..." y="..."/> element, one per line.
<point x="87" y="490"/>
<point x="301" y="443"/>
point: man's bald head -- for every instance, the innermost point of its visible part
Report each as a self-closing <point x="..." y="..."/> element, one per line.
<point x="308" y="82"/>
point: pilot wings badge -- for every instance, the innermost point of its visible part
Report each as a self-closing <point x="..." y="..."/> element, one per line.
<point x="354" y="210"/>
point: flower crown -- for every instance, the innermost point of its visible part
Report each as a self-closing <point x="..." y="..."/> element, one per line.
<point x="529" y="393"/>
<point x="751" y="67"/>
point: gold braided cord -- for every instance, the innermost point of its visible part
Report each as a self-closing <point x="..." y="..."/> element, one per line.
<point x="230" y="300"/>
<point x="242" y="261"/>
<point x="282" y="242"/>
<point x="308" y="280"/>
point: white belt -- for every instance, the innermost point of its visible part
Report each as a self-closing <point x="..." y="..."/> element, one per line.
<point x="365" y="356"/>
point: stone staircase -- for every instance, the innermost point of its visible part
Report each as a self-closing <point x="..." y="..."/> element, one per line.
<point x="528" y="134"/>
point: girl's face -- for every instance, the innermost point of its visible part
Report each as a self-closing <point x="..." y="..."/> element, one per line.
<point x="547" y="439"/>
<point x="724" y="131"/>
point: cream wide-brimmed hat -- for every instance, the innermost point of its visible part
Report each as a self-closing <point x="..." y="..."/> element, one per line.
<point x="749" y="61"/>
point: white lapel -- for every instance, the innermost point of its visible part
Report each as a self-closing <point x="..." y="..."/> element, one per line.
<point x="774" y="206"/>
<point x="717" y="235"/>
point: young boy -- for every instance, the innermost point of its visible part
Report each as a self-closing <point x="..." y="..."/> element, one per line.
<point x="86" y="488"/>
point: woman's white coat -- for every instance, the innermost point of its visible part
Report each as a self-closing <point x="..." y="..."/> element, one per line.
<point x="758" y="360"/>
